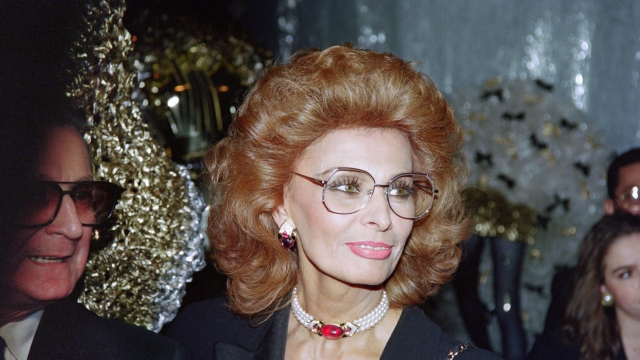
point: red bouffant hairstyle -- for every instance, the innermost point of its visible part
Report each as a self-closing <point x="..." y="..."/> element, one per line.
<point x="290" y="107"/>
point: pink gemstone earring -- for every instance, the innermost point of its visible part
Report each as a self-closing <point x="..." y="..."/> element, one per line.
<point x="287" y="235"/>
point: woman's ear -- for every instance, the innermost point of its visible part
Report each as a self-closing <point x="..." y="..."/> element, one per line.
<point x="280" y="214"/>
<point x="603" y="289"/>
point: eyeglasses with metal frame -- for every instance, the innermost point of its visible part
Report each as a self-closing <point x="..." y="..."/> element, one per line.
<point x="348" y="190"/>
<point x="629" y="198"/>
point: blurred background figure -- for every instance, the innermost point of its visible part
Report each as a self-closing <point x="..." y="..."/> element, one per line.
<point x="603" y="316"/>
<point x="623" y="186"/>
<point x="507" y="259"/>
<point x="534" y="183"/>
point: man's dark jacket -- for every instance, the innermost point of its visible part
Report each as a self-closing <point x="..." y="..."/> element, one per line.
<point x="68" y="330"/>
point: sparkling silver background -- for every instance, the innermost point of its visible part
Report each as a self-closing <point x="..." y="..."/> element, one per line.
<point x="589" y="49"/>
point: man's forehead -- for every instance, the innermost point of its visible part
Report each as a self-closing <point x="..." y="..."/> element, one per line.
<point x="628" y="176"/>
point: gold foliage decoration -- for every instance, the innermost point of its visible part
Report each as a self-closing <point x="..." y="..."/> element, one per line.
<point x="494" y="216"/>
<point x="151" y="248"/>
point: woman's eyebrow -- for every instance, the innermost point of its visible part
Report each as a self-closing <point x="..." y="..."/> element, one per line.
<point x="622" y="267"/>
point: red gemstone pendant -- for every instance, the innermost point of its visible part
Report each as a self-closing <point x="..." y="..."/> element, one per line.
<point x="331" y="331"/>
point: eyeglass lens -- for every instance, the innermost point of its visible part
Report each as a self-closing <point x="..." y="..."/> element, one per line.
<point x="630" y="197"/>
<point x="409" y="195"/>
<point x="94" y="202"/>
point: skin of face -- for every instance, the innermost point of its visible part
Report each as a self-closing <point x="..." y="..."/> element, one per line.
<point x="48" y="261"/>
<point x="622" y="276"/>
<point x="629" y="176"/>
<point x="326" y="239"/>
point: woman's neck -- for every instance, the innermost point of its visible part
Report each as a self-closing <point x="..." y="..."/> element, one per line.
<point x="629" y="334"/>
<point x="330" y="300"/>
<point x="329" y="307"/>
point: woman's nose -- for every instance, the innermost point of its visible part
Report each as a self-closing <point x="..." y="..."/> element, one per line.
<point x="377" y="211"/>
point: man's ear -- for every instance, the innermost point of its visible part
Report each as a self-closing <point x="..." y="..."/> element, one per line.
<point x="609" y="206"/>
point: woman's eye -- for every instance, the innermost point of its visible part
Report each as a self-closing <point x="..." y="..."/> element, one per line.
<point x="347" y="184"/>
<point x="400" y="191"/>
<point x="625" y="274"/>
<point x="350" y="188"/>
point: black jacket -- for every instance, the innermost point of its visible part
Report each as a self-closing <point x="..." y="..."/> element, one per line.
<point x="209" y="331"/>
<point x="67" y="330"/>
<point x="552" y="347"/>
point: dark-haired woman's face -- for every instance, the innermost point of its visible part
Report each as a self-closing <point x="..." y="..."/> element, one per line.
<point x="359" y="248"/>
<point x="622" y="276"/>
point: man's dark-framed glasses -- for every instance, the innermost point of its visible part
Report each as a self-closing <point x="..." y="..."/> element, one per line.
<point x="94" y="202"/>
<point x="348" y="190"/>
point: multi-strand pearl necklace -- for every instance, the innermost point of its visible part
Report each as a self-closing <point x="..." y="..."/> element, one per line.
<point x="337" y="331"/>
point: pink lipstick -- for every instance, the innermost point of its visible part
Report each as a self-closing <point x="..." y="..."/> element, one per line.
<point x="370" y="249"/>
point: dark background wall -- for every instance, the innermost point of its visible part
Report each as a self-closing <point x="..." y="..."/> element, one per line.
<point x="258" y="18"/>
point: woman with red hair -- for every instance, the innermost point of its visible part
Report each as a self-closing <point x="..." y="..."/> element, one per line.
<point x="336" y="208"/>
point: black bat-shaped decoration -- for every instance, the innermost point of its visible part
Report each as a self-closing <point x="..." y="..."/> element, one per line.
<point x="484" y="158"/>
<point x="544" y="85"/>
<point x="584" y="168"/>
<point x="507" y="180"/>
<point x="567" y="124"/>
<point x="537" y="143"/>
<point x="543" y="221"/>
<point x="513" y="117"/>
<point x="489" y="93"/>
<point x="558" y="201"/>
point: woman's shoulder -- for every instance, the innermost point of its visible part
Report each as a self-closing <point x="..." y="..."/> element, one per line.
<point x="199" y="326"/>
<point x="455" y="349"/>
<point x="203" y="315"/>
<point x="417" y="337"/>
<point x="210" y="327"/>
<point x="460" y="351"/>
<point x="471" y="353"/>
<point x="203" y="311"/>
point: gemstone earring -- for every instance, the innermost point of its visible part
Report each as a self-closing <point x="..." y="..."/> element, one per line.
<point x="287" y="235"/>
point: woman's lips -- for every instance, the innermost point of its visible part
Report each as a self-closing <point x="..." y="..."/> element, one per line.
<point x="370" y="249"/>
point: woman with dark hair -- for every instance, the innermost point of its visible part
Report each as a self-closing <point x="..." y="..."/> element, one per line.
<point x="336" y="208"/>
<point x="602" y="321"/>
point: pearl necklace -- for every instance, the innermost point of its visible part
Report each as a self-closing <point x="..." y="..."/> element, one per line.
<point x="337" y="331"/>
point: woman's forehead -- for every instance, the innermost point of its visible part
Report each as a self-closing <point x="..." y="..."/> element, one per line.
<point x="367" y="149"/>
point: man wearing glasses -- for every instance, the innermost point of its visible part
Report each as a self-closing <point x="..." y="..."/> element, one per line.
<point x="623" y="184"/>
<point x="623" y="188"/>
<point x="44" y="256"/>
